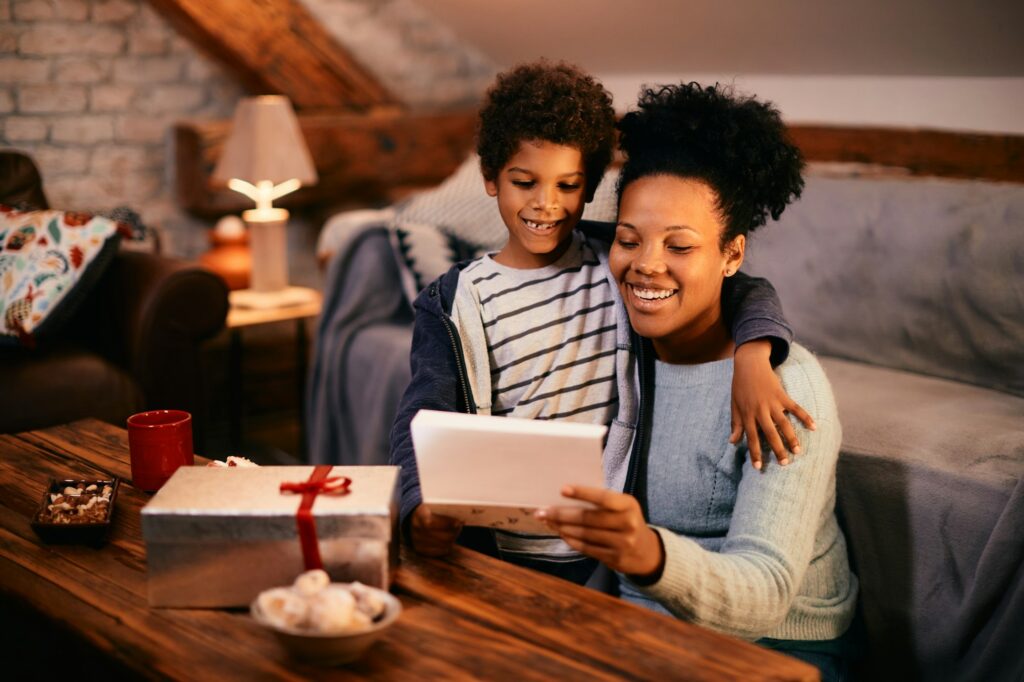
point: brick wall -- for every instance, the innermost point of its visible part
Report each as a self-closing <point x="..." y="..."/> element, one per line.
<point x="90" y="88"/>
<point x="420" y="60"/>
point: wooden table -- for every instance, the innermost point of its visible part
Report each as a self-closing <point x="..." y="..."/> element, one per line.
<point x="79" y="608"/>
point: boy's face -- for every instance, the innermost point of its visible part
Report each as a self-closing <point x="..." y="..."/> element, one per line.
<point x="541" y="193"/>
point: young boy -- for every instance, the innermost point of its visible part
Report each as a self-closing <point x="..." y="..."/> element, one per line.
<point x="537" y="330"/>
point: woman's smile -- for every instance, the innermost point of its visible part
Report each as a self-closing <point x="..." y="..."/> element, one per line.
<point x="650" y="299"/>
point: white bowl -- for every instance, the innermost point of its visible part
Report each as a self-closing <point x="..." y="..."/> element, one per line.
<point x="332" y="649"/>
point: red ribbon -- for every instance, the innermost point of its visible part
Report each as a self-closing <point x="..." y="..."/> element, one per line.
<point x="318" y="484"/>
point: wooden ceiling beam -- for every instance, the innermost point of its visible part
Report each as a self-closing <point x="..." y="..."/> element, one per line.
<point x="277" y="47"/>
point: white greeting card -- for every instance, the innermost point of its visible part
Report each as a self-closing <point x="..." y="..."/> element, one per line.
<point x="496" y="471"/>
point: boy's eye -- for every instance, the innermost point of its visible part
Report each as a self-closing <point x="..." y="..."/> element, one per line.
<point x="525" y="184"/>
<point x="569" y="187"/>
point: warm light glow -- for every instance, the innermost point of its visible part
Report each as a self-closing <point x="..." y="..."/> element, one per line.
<point x="264" y="192"/>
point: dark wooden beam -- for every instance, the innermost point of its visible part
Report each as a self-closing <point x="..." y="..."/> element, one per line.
<point x="919" y="152"/>
<point x="358" y="157"/>
<point x="277" y="47"/>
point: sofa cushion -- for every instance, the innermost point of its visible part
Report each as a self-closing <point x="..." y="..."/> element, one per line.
<point x="917" y="274"/>
<point x="48" y="262"/>
<point x="929" y="483"/>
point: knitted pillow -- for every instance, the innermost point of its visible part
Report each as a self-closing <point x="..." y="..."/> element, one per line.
<point x="48" y="262"/>
<point x="425" y="252"/>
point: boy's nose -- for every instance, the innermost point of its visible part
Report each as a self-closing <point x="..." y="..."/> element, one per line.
<point x="545" y="200"/>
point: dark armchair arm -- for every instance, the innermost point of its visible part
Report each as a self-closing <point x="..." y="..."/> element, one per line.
<point x="150" y="315"/>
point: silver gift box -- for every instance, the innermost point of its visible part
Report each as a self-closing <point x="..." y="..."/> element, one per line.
<point x="217" y="537"/>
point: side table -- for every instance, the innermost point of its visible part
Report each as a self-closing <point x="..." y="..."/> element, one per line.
<point x="309" y="304"/>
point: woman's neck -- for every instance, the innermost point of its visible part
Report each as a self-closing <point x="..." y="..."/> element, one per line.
<point x="692" y="346"/>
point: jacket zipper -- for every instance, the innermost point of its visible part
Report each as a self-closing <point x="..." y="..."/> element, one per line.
<point x="457" y="352"/>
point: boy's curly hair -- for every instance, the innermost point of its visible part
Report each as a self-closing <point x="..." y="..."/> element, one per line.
<point x="551" y="102"/>
<point x="737" y="145"/>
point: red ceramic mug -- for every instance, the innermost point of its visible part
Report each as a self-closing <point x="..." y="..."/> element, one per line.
<point x="159" y="442"/>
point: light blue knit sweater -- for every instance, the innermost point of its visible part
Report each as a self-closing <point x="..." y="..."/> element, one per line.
<point x="751" y="553"/>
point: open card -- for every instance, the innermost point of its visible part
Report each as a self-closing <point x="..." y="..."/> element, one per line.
<point x="495" y="471"/>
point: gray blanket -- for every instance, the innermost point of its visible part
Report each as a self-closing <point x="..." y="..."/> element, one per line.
<point x="361" y="356"/>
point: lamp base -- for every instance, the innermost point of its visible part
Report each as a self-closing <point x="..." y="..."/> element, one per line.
<point x="268" y="244"/>
<point x="263" y="300"/>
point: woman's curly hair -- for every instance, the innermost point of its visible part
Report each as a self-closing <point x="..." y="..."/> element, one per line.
<point x="548" y="102"/>
<point x="737" y="145"/>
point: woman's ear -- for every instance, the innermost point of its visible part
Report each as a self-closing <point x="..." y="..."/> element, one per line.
<point x="734" y="252"/>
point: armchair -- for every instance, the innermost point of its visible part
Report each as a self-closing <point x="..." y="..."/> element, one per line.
<point x="133" y="344"/>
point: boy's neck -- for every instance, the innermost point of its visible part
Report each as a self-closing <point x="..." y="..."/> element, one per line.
<point x="520" y="259"/>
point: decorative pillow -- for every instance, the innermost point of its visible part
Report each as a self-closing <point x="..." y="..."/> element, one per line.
<point x="425" y="252"/>
<point x="48" y="262"/>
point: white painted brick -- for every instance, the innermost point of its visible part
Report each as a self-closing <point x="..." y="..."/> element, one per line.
<point x="82" y="129"/>
<point x="42" y="10"/>
<point x="148" y="70"/>
<point x="56" y="39"/>
<point x="147" y="40"/>
<point x="142" y="129"/>
<point x="8" y="39"/>
<point x="119" y="159"/>
<point x="40" y="99"/>
<point x="6" y="101"/>
<point x="113" y="10"/>
<point x="78" y="70"/>
<point x="111" y="97"/>
<point x="57" y="161"/>
<point x="199" y="68"/>
<point x="166" y="98"/>
<point x="15" y="70"/>
<point x="24" y="129"/>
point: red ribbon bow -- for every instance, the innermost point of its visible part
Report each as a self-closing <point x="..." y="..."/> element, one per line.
<point x="317" y="484"/>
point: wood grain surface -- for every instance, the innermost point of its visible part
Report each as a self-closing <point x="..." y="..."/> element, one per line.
<point x="467" y="616"/>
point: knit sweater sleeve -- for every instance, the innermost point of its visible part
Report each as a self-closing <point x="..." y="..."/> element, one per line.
<point x="748" y="587"/>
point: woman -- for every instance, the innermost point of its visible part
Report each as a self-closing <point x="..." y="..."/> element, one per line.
<point x="702" y="534"/>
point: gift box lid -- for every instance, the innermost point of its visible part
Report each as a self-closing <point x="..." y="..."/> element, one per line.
<point x="207" y="504"/>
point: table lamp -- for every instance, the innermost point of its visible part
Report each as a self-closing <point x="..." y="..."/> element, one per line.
<point x="265" y="157"/>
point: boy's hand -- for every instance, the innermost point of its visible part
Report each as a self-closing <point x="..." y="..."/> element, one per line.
<point x="432" y="534"/>
<point x="758" y="400"/>
<point x="615" y="533"/>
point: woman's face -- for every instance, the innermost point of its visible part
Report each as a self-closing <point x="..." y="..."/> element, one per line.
<point x="669" y="265"/>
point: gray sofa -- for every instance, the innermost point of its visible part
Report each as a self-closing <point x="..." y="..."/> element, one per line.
<point x="912" y="293"/>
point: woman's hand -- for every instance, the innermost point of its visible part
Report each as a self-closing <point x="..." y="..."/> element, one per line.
<point x="615" y="533"/>
<point x="758" y="400"/>
<point x="433" y="534"/>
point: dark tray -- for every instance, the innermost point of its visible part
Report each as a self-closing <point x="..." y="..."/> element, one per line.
<point x="91" y="532"/>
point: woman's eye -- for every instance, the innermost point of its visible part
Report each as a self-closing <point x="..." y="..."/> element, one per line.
<point x="626" y="244"/>
<point x="680" y="249"/>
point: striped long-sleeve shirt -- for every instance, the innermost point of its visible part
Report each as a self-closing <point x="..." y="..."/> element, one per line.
<point x="551" y="347"/>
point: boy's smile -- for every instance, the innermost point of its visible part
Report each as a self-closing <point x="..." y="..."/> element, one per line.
<point x="541" y="194"/>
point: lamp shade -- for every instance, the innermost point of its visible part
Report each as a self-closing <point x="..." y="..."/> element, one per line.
<point x="265" y="144"/>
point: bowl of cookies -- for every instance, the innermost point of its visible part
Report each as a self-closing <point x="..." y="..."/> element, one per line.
<point x="326" y="623"/>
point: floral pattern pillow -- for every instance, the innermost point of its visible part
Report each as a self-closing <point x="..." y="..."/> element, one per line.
<point x="48" y="262"/>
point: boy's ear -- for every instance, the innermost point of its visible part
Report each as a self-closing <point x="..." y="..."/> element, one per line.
<point x="491" y="186"/>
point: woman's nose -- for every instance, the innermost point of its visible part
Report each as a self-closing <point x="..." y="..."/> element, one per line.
<point x="649" y="263"/>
